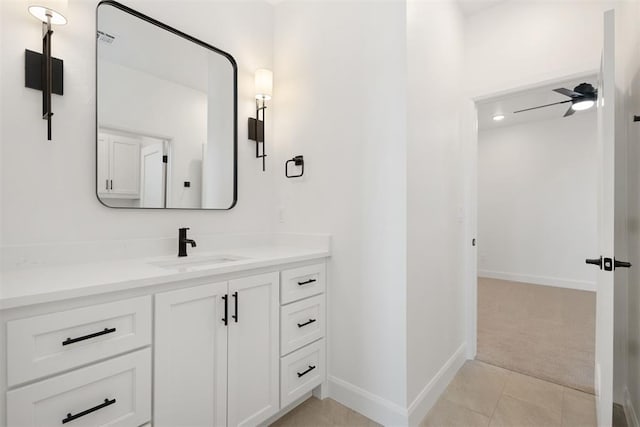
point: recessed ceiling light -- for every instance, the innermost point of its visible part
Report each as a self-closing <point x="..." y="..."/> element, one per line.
<point x="583" y="105"/>
<point x="498" y="117"/>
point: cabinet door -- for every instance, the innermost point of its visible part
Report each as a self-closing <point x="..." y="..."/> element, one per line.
<point x="190" y="370"/>
<point x="253" y="368"/>
<point x="102" y="184"/>
<point x="124" y="166"/>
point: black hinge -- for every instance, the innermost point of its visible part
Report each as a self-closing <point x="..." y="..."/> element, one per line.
<point x="165" y="159"/>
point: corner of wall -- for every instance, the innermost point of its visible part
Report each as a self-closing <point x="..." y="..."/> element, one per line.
<point x="422" y="404"/>
<point x="372" y="406"/>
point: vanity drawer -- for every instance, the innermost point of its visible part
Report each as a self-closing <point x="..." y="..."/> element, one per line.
<point x="301" y="323"/>
<point x="51" y="343"/>
<point x="301" y="371"/>
<point x="114" y="393"/>
<point x="302" y="282"/>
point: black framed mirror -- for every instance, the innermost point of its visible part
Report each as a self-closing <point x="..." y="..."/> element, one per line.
<point x="166" y="116"/>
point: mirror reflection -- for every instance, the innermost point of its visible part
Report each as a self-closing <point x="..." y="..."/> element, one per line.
<point x="166" y="116"/>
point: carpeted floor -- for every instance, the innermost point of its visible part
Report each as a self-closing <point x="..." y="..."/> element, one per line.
<point x="540" y="331"/>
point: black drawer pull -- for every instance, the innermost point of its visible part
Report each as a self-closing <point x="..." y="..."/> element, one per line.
<point x="70" y="417"/>
<point x="87" y="337"/>
<point x="302" y="374"/>
<point x="300" y="325"/>
<point x="235" y="301"/>
<point x="226" y="309"/>
<point x="306" y="282"/>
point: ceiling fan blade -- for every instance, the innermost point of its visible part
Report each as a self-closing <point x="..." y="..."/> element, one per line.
<point x="542" y="106"/>
<point x="569" y="93"/>
<point x="570" y="112"/>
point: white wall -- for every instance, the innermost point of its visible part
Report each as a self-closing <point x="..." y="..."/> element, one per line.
<point x="164" y="109"/>
<point x="339" y="100"/>
<point x="435" y="293"/>
<point x="518" y="43"/>
<point x="537" y="201"/>
<point x="49" y="187"/>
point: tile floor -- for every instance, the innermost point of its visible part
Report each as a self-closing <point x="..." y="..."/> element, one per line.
<point x="328" y="412"/>
<point x="479" y="395"/>
<point x="485" y="395"/>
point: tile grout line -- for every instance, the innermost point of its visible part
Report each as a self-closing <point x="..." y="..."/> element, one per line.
<point x="459" y="405"/>
<point x="504" y="386"/>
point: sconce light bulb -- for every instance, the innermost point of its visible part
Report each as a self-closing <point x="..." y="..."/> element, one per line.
<point x="264" y="84"/>
<point x="42" y="13"/>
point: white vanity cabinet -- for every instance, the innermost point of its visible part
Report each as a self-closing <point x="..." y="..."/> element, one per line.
<point x="216" y="353"/>
<point x="87" y="390"/>
<point x="228" y="349"/>
<point x="302" y="336"/>
<point x="118" y="166"/>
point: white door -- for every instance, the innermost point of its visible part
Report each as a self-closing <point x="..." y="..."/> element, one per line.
<point x="253" y="357"/>
<point x="606" y="226"/>
<point x="152" y="185"/>
<point x="190" y="369"/>
<point x="124" y="166"/>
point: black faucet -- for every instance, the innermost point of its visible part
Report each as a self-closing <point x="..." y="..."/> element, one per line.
<point x="182" y="242"/>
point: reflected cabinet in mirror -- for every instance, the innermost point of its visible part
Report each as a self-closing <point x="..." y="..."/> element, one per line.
<point x="166" y="116"/>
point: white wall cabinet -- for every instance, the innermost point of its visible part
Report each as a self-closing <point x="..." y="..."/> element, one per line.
<point x="118" y="166"/>
<point x="216" y="357"/>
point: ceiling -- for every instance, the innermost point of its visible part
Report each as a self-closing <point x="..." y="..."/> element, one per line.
<point x="507" y="104"/>
<point x="470" y="7"/>
<point x="142" y="46"/>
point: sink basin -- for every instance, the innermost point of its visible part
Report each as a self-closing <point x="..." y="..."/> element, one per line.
<point x="194" y="262"/>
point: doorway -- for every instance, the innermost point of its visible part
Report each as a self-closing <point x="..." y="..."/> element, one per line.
<point x="536" y="223"/>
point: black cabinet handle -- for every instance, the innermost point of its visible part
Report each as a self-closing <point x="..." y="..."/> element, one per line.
<point x="595" y="261"/>
<point x="300" y="325"/>
<point x="86" y="337"/>
<point x="106" y="403"/>
<point x="623" y="264"/>
<point x="235" y="302"/>
<point x="302" y="374"/>
<point x="306" y="282"/>
<point x="226" y="309"/>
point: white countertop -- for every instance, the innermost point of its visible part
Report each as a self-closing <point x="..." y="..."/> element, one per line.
<point x="27" y="286"/>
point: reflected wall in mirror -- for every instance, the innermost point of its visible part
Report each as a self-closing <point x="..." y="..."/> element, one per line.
<point x="166" y="116"/>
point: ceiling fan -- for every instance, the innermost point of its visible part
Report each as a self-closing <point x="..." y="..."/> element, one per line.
<point x="583" y="97"/>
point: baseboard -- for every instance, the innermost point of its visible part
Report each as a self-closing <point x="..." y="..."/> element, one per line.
<point x="389" y="413"/>
<point x="429" y="395"/>
<point x="539" y="280"/>
<point x="368" y="404"/>
<point x="629" y="410"/>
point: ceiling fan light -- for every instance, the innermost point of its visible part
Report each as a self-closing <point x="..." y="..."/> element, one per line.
<point x="498" y="117"/>
<point x="585" y="104"/>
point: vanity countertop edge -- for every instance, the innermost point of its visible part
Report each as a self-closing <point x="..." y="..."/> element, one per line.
<point x="30" y="286"/>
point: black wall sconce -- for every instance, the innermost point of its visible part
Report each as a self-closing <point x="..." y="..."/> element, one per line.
<point x="42" y="72"/>
<point x="264" y="87"/>
<point x="297" y="161"/>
